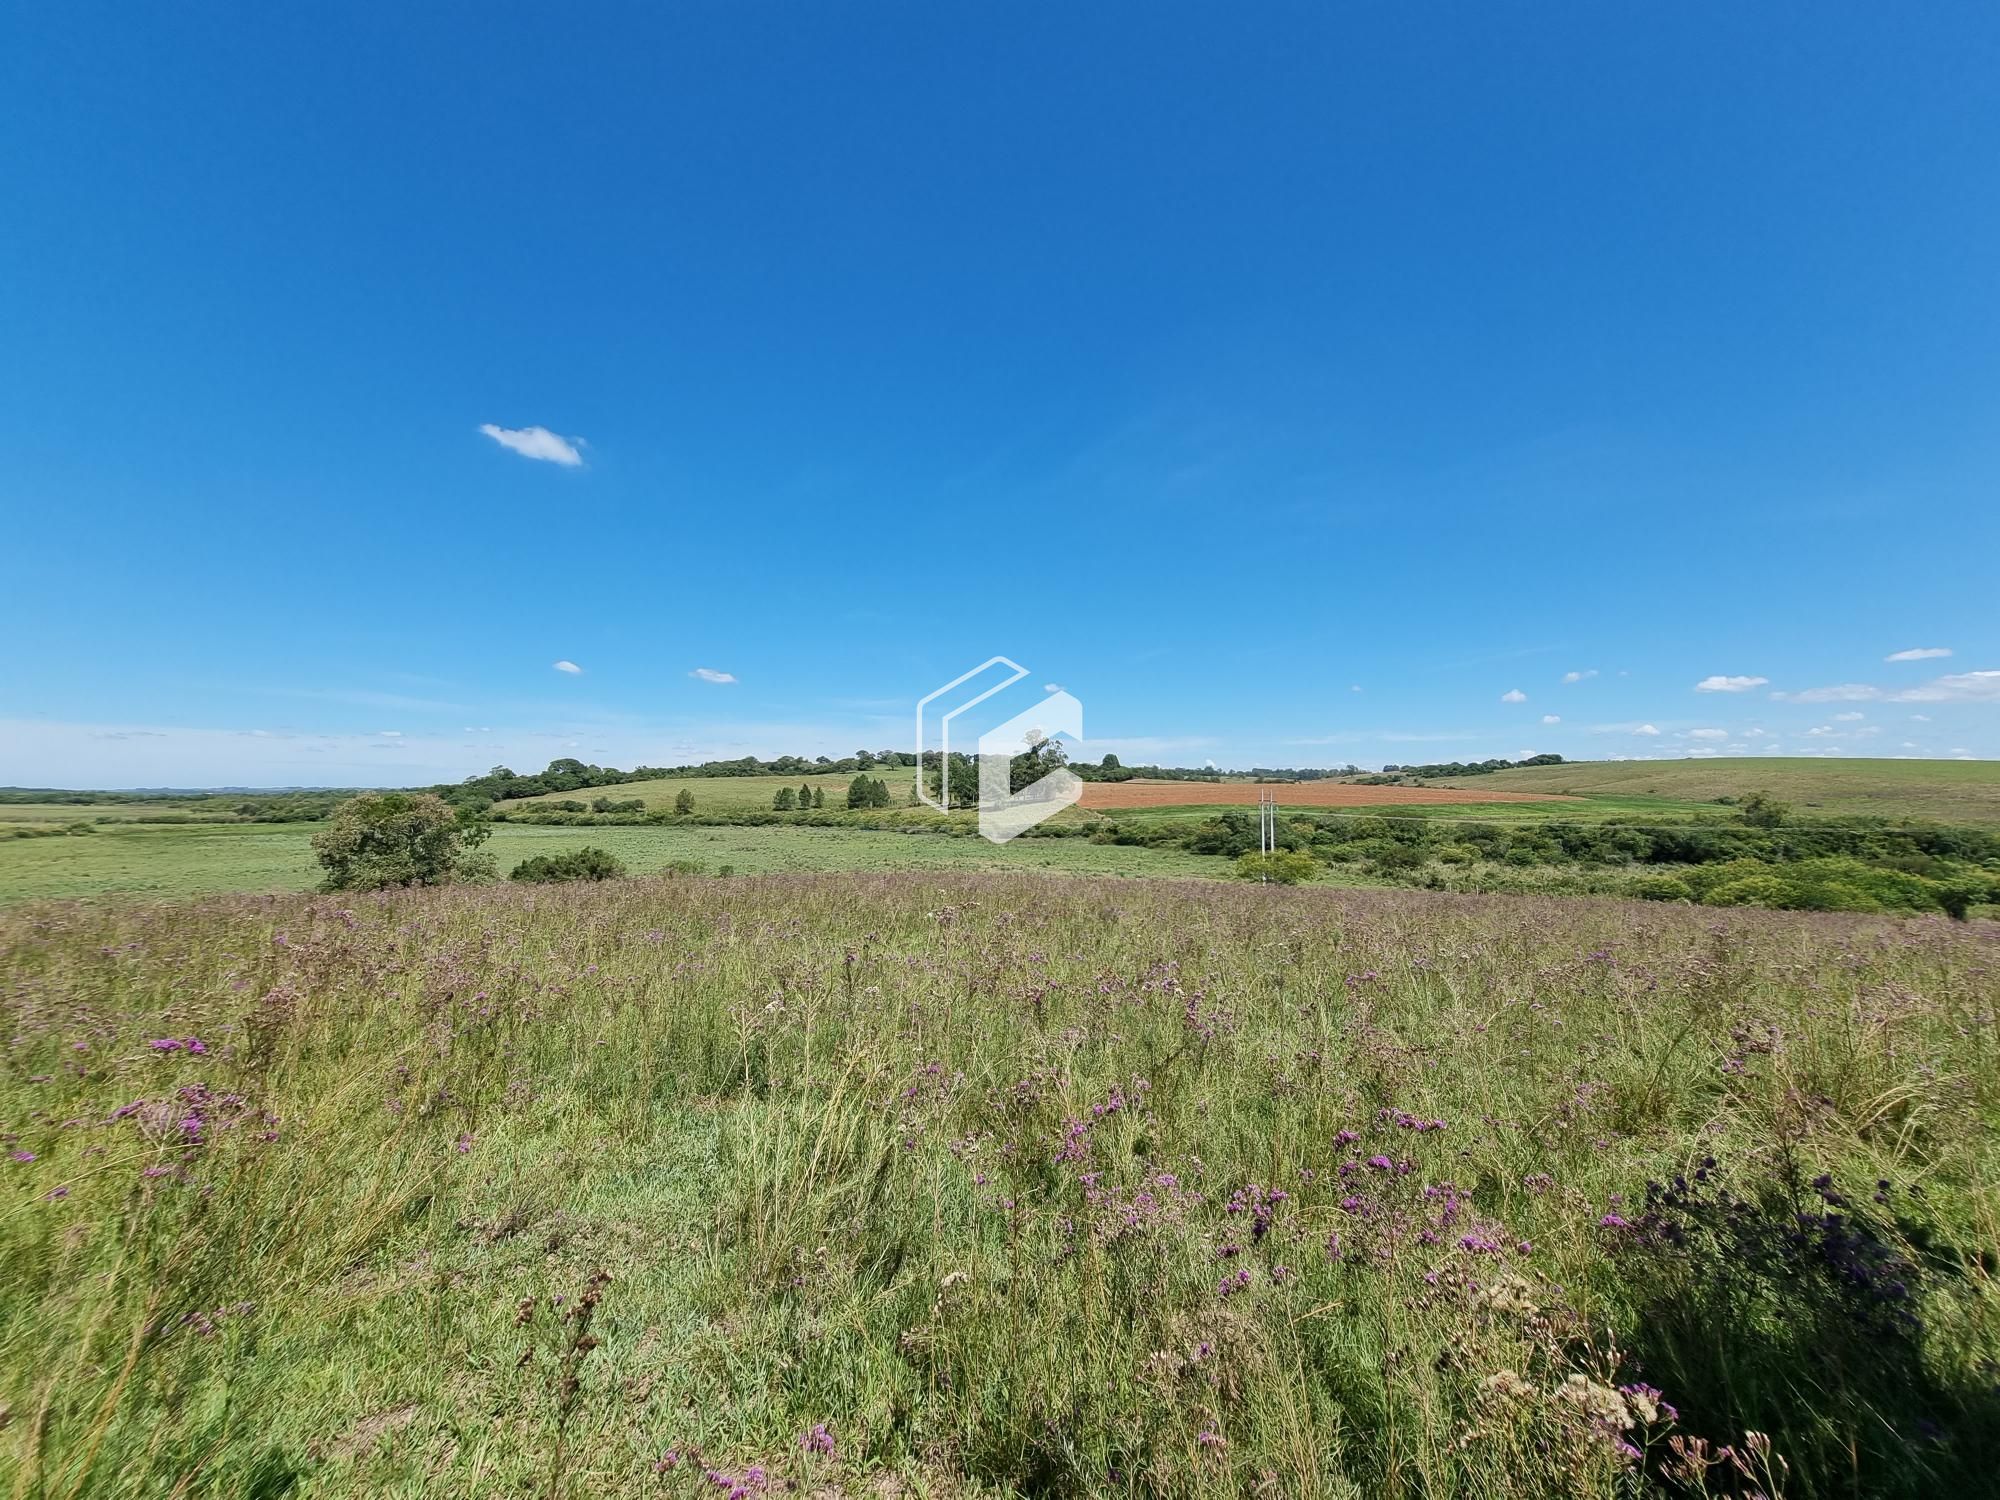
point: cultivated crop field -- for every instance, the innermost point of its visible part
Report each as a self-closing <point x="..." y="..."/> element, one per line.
<point x="949" y="1184"/>
<point x="1945" y="791"/>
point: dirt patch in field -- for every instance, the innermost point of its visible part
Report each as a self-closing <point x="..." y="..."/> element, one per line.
<point x="1116" y="794"/>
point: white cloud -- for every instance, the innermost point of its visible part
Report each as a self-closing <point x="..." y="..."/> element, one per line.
<point x="1642" y="729"/>
<point x="1513" y="695"/>
<point x="1821" y="731"/>
<point x="1755" y="734"/>
<point x="709" y="674"/>
<point x="1729" y="684"/>
<point x="569" y="667"/>
<point x="1552" y="718"/>
<point x="1921" y="718"/>
<point x="1052" y="687"/>
<point x="1959" y="687"/>
<point x="1579" y="676"/>
<point x="1354" y="687"/>
<point x="1708" y="734"/>
<point x="1849" y="718"/>
<point x="1918" y="653"/>
<point x="1956" y="687"/>
<point x="535" y="442"/>
<point x="1910" y="744"/>
<point x="392" y="734"/>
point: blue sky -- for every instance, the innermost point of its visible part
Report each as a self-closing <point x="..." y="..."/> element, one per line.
<point x="1291" y="384"/>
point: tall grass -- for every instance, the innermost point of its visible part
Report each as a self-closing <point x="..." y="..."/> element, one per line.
<point x="982" y="1185"/>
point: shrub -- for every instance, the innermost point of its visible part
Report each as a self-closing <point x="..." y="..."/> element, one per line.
<point x="1762" y="810"/>
<point x="684" y="801"/>
<point x="579" y="864"/>
<point x="1662" y="888"/>
<point x="1397" y="859"/>
<point x="1286" y="866"/>
<point x="1751" y="890"/>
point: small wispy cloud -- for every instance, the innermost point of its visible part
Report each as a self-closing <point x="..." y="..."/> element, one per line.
<point x="1552" y="718"/>
<point x="1959" y="687"/>
<point x="1729" y="684"/>
<point x="1849" y="718"/>
<point x="568" y="668"/>
<point x="1955" y="687"/>
<point x="1646" y="729"/>
<point x="1513" y="695"/>
<point x="1919" y="653"/>
<point x="535" y="442"/>
<point x="1583" y="676"/>
<point x="1708" y="734"/>
<point x="709" y="674"/>
<point x="1840" y="692"/>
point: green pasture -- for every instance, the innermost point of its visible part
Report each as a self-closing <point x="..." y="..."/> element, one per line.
<point x="714" y="794"/>
<point x="206" y="858"/>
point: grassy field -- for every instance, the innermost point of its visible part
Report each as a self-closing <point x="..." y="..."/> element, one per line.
<point x="1945" y="791"/>
<point x="1594" y="809"/>
<point x="203" y="859"/>
<point x="951" y="1185"/>
<point x="72" y="812"/>
<point x="714" y="794"/>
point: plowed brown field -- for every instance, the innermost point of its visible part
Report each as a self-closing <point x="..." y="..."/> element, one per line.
<point x="1110" y="794"/>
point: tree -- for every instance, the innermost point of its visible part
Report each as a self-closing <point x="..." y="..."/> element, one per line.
<point x="857" y="793"/>
<point x="1038" y="760"/>
<point x="384" y="839"/>
<point x="1111" y="763"/>
<point x="785" y="801"/>
<point x="684" y="801"/>
<point x="819" y="798"/>
<point x="805" y="795"/>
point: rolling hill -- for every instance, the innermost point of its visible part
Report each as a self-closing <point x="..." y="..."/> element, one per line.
<point x="1944" y="791"/>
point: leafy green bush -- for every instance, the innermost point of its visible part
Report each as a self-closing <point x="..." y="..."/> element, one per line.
<point x="1752" y="890"/>
<point x="1663" y="888"/>
<point x="1286" y="866"/>
<point x="580" y="864"/>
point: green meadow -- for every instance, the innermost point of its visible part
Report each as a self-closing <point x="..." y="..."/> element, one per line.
<point x="726" y="794"/>
<point x="946" y="1184"/>
<point x="199" y="859"/>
